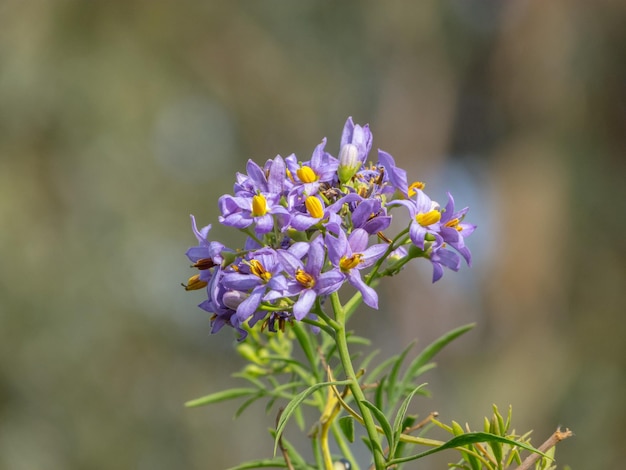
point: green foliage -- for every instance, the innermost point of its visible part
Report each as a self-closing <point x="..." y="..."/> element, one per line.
<point x="386" y="391"/>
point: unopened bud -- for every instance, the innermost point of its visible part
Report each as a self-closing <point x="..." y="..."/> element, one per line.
<point x="349" y="162"/>
<point x="233" y="298"/>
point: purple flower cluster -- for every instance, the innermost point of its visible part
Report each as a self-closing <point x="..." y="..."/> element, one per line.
<point x="314" y="225"/>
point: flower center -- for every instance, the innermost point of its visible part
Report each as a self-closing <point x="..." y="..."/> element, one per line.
<point x="305" y="279"/>
<point x="428" y="218"/>
<point x="347" y="263"/>
<point x="314" y="206"/>
<point x="306" y="174"/>
<point x="258" y="270"/>
<point x="259" y="205"/>
<point x="454" y="223"/>
<point x="414" y="186"/>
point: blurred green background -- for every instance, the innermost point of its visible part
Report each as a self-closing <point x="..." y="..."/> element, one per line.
<point x="118" y="119"/>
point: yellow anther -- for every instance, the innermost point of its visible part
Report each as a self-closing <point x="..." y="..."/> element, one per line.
<point x="306" y="174"/>
<point x="258" y="270"/>
<point x="454" y="223"/>
<point x="414" y="186"/>
<point x="314" y="206"/>
<point x="428" y="218"/>
<point x="346" y="264"/>
<point x="259" y="205"/>
<point x="194" y="283"/>
<point x="305" y="279"/>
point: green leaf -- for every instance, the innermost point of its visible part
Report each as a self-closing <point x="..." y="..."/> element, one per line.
<point x="427" y="354"/>
<point x="246" y="404"/>
<point x="346" y="424"/>
<point x="309" y="349"/>
<point x="221" y="396"/>
<point x="395" y="370"/>
<point x="380" y="368"/>
<point x="378" y="394"/>
<point x="398" y="422"/>
<point x="406" y="423"/>
<point x="296" y="402"/>
<point x="368" y="359"/>
<point x="466" y="439"/>
<point x="296" y="458"/>
<point x="354" y="339"/>
<point x="264" y="463"/>
<point x="382" y="420"/>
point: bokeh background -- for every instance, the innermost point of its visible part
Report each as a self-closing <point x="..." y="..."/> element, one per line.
<point x="118" y="119"/>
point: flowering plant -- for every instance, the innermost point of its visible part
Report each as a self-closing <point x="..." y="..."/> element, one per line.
<point x="312" y="227"/>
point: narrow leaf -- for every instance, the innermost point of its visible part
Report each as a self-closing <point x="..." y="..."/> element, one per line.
<point x="221" y="396"/>
<point x="395" y="370"/>
<point x="432" y="349"/>
<point x="265" y="463"/>
<point x="465" y="439"/>
<point x="309" y="349"/>
<point x="296" y="402"/>
<point x="378" y="394"/>
<point x="382" y="420"/>
<point x="383" y="366"/>
<point x="246" y="404"/>
<point x="406" y="423"/>
<point x="398" y="422"/>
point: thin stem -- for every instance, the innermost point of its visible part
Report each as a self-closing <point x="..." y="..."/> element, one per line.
<point x="397" y="241"/>
<point x="553" y="440"/>
<point x="355" y="387"/>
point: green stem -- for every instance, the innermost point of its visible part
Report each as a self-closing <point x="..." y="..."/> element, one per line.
<point x="397" y="242"/>
<point x="355" y="387"/>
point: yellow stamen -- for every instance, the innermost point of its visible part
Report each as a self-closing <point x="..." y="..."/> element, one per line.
<point x="346" y="264"/>
<point x="306" y="174"/>
<point x="428" y="218"/>
<point x="259" y="205"/>
<point x="454" y="223"/>
<point x="414" y="186"/>
<point x="194" y="283"/>
<point x="314" y="206"/>
<point x="258" y="270"/>
<point x="305" y="279"/>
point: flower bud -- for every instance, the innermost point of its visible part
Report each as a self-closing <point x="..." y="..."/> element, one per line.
<point x="233" y="298"/>
<point x="349" y="162"/>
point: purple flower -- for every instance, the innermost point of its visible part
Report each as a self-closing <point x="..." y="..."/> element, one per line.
<point x="241" y="212"/>
<point x="322" y="168"/>
<point x="316" y="212"/>
<point x="454" y="231"/>
<point x="425" y="217"/>
<point x="260" y="277"/>
<point x="370" y="216"/>
<point x="272" y="179"/>
<point x="307" y="280"/>
<point x="350" y="255"/>
<point x="207" y="254"/>
<point x="443" y="257"/>
<point x="392" y="174"/>
<point x="357" y="136"/>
